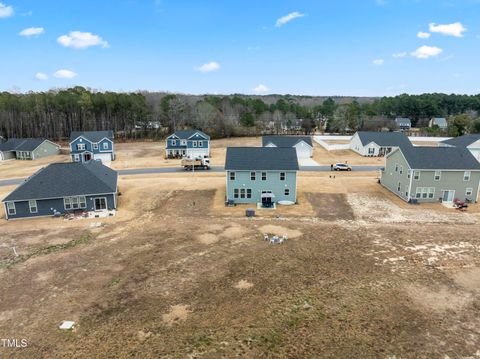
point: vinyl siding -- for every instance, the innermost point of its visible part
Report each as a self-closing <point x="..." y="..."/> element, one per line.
<point x="89" y="146"/>
<point x="46" y="207"/>
<point x="46" y="149"/>
<point x="273" y="183"/>
<point x="390" y="178"/>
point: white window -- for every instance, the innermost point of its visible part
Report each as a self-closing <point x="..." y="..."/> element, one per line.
<point x="424" y="192"/>
<point x="396" y="167"/>
<point x="371" y="150"/>
<point x="200" y="143"/>
<point x="416" y="175"/>
<point x="183" y="142"/>
<point x="466" y="176"/>
<point x="32" y="204"/>
<point x="81" y="146"/>
<point x="95" y="146"/>
<point x="406" y="190"/>
<point x="174" y="142"/>
<point x="469" y="192"/>
<point x="408" y="174"/>
<point x="264" y="176"/>
<point x="105" y="145"/>
<point x="76" y="158"/>
<point x="399" y="187"/>
<point x="287" y="192"/>
<point x="11" y="208"/>
<point x="282" y="176"/>
<point x="253" y="176"/>
<point x="437" y="176"/>
<point x="194" y="143"/>
<point x="418" y="193"/>
<point x="74" y="202"/>
<point x="232" y="176"/>
<point x="249" y="193"/>
<point x="401" y="169"/>
<point x="235" y="193"/>
<point x="431" y="192"/>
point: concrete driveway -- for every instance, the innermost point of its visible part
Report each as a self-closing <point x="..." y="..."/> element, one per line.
<point x="307" y="162"/>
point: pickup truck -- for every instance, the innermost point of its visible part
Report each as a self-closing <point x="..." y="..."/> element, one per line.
<point x="190" y="164"/>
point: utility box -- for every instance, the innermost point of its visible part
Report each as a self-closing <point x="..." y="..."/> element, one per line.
<point x="250" y="212"/>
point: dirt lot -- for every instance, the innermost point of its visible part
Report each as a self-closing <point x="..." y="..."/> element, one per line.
<point x="177" y="275"/>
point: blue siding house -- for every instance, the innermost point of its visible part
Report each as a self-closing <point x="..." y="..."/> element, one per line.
<point x="187" y="143"/>
<point x="263" y="175"/>
<point x="92" y="145"/>
<point x="64" y="188"/>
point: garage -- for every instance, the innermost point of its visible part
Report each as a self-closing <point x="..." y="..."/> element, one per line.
<point x="303" y="144"/>
<point x="303" y="150"/>
<point x="106" y="158"/>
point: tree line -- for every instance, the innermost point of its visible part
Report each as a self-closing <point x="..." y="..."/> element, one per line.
<point x="54" y="114"/>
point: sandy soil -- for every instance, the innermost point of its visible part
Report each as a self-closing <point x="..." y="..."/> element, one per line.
<point x="20" y="169"/>
<point x="177" y="274"/>
<point x="324" y="157"/>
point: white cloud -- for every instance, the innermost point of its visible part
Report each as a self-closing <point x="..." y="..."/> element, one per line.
<point x="65" y="74"/>
<point x="208" y="67"/>
<point x="378" y="62"/>
<point x="287" y="18"/>
<point x="32" y="31"/>
<point x="456" y="29"/>
<point x="424" y="52"/>
<point x="399" y="55"/>
<point x="5" y="11"/>
<point x="81" y="40"/>
<point x="423" y="35"/>
<point x="41" y="76"/>
<point x="260" y="89"/>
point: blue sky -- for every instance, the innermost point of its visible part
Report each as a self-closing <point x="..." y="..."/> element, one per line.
<point x="309" y="47"/>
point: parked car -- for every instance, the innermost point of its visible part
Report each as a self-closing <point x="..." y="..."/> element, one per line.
<point x="342" y="167"/>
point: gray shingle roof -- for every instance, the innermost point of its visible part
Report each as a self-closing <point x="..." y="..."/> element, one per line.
<point x="440" y="158"/>
<point x="92" y="136"/>
<point x="285" y="141"/>
<point x="21" y="144"/>
<point x="261" y="158"/>
<point x="185" y="134"/>
<point x="401" y="121"/>
<point x="384" y="139"/>
<point x="462" y="141"/>
<point x="67" y="179"/>
<point x="440" y="122"/>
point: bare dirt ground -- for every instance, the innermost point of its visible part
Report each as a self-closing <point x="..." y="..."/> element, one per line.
<point x="177" y="275"/>
<point x="20" y="169"/>
<point x="324" y="157"/>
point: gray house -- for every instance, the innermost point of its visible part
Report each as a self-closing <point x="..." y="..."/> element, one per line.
<point x="27" y="148"/>
<point x="403" y="124"/>
<point x="470" y="142"/>
<point x="377" y="143"/>
<point x="440" y="122"/>
<point x="302" y="144"/>
<point x="64" y="188"/>
<point x="430" y="174"/>
<point x="261" y="175"/>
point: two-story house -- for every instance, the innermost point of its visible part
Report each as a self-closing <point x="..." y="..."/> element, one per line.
<point x="432" y="174"/>
<point x="403" y="124"/>
<point x="263" y="175"/>
<point x="92" y="145"/>
<point x="187" y="143"/>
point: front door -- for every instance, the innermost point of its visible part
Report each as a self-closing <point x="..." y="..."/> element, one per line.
<point x="448" y="196"/>
<point x="100" y="204"/>
<point x="87" y="157"/>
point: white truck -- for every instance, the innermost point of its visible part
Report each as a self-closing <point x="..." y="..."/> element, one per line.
<point x="190" y="164"/>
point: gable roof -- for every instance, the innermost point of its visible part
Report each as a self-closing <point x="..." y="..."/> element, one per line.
<point x="21" y="144"/>
<point x="440" y="122"/>
<point x="384" y="139"/>
<point x="402" y="121"/>
<point x="67" y="179"/>
<point x="186" y="134"/>
<point x="462" y="141"/>
<point x="440" y="158"/>
<point x="286" y="141"/>
<point x="261" y="158"/>
<point x="92" y="136"/>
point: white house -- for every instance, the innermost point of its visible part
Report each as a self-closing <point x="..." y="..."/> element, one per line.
<point x="303" y="144"/>
<point x="440" y="122"/>
<point x="373" y="144"/>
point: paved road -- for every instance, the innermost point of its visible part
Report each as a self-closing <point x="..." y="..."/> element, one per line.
<point x="141" y="171"/>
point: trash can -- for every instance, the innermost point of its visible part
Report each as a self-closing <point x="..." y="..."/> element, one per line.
<point x="250" y="212"/>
